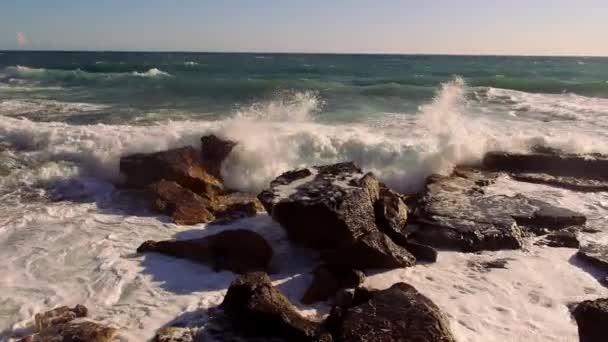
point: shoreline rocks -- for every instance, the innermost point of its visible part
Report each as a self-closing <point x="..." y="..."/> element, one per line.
<point x="592" y="319"/>
<point x="237" y="250"/>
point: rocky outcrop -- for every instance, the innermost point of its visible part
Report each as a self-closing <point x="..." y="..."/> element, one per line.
<point x="238" y="250"/>
<point x="182" y="165"/>
<point x="213" y="153"/>
<point x="592" y="320"/>
<point x="174" y="334"/>
<point x="257" y="309"/>
<point x="328" y="281"/>
<point x="399" y="313"/>
<point x="235" y="206"/>
<point x="553" y="167"/>
<point x="391" y="216"/>
<point x="183" y="205"/>
<point x="64" y="324"/>
<point x="562" y="238"/>
<point x="324" y="206"/>
<point x="595" y="254"/>
<point x="454" y="212"/>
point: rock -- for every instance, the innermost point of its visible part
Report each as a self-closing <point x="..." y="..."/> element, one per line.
<point x="554" y="164"/>
<point x="174" y="334"/>
<point x="58" y="315"/>
<point x="255" y="308"/>
<point x="592" y="320"/>
<point x="570" y="183"/>
<point x="181" y="165"/>
<point x="237" y="250"/>
<point x="595" y="254"/>
<point x="487" y="266"/>
<point x="235" y="206"/>
<point x="327" y="282"/>
<point x="183" y="205"/>
<point x="399" y="313"/>
<point x="323" y="206"/>
<point x="563" y="238"/>
<point x="374" y="250"/>
<point x="421" y="252"/>
<point x="213" y="153"/>
<point x="455" y="212"/>
<point x="391" y="216"/>
<point x="76" y="331"/>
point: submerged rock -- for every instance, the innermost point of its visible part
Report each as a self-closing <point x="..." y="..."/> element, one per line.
<point x="399" y="313"/>
<point x="213" y="153"/>
<point x="328" y="281"/>
<point x="454" y="212"/>
<point x="174" y="334"/>
<point x="592" y="320"/>
<point x="257" y="309"/>
<point x="181" y="165"/>
<point x="183" y="205"/>
<point x="323" y="206"/>
<point x="238" y="250"/>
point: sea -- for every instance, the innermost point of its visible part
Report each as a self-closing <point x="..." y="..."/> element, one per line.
<point x="68" y="233"/>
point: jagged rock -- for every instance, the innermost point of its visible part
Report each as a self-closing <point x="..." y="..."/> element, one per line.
<point x="455" y="212"/>
<point x="554" y="164"/>
<point x="76" y="330"/>
<point x="174" y="334"/>
<point x="595" y="254"/>
<point x="236" y="206"/>
<point x="487" y="266"/>
<point x="391" y="216"/>
<point x="562" y="238"/>
<point x="374" y="250"/>
<point x="592" y="320"/>
<point x="570" y="183"/>
<point x="399" y="313"/>
<point x="421" y="252"/>
<point x="58" y="315"/>
<point x="323" y="206"/>
<point x="183" y="205"/>
<point x="238" y="250"/>
<point x="328" y="281"/>
<point x="213" y="153"/>
<point x="181" y="165"/>
<point x="255" y="308"/>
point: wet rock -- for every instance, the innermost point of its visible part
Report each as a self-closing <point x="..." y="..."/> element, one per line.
<point x="374" y="250"/>
<point x="235" y="206"/>
<point x="324" y="206"/>
<point x="391" y="216"/>
<point x="592" y="320"/>
<point x="328" y="281"/>
<point x="181" y="165"/>
<point x="554" y="164"/>
<point x="487" y="266"/>
<point x="564" y="239"/>
<point x="214" y="151"/>
<point x="399" y="313"/>
<point x="183" y="205"/>
<point x="421" y="252"/>
<point x="174" y="334"/>
<point x="257" y="309"/>
<point x="238" y="250"/>
<point x="570" y="183"/>
<point x="58" y="315"/>
<point x="454" y="212"/>
<point x="77" y="330"/>
<point x="595" y="254"/>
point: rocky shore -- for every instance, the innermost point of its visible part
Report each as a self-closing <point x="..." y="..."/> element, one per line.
<point x="357" y="226"/>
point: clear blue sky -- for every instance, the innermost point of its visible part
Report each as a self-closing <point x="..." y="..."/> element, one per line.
<point x="548" y="27"/>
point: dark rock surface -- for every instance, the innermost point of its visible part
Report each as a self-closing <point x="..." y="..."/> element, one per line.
<point x="238" y="250"/>
<point x="59" y="315"/>
<point x="174" y="334"/>
<point x="422" y="252"/>
<point x="234" y="206"/>
<point x="181" y="165"/>
<point x="562" y="238"/>
<point x="595" y="254"/>
<point x="214" y="151"/>
<point x="592" y="320"/>
<point x="399" y="313"/>
<point x="257" y="309"/>
<point x="454" y="212"/>
<point x="391" y="216"/>
<point x="323" y="206"/>
<point x="570" y="183"/>
<point x="328" y="281"/>
<point x="374" y="250"/>
<point x="183" y="205"/>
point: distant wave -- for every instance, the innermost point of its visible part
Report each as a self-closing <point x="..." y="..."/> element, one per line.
<point x="154" y="72"/>
<point x="26" y="72"/>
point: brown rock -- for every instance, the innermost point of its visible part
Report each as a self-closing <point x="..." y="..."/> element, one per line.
<point x="592" y="320"/>
<point x="236" y="206"/>
<point x="391" y="216"/>
<point x="58" y="315"/>
<point x="181" y="165"/>
<point x="183" y="205"/>
<point x="213" y="153"/>
<point x="76" y="331"/>
<point x="255" y="308"/>
<point x="327" y="282"/>
<point x="174" y="334"/>
<point x="238" y="250"/>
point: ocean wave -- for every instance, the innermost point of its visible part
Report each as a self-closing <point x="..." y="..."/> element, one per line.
<point x="16" y="107"/>
<point x="283" y="134"/>
<point x="25" y="72"/>
<point x="154" y="72"/>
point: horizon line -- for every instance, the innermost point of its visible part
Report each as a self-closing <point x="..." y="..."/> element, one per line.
<point x="307" y="53"/>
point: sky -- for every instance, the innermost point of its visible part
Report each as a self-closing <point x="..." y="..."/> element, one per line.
<point x="502" y="27"/>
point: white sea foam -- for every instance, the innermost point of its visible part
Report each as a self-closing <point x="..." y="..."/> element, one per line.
<point x="154" y="72"/>
<point x="47" y="107"/>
